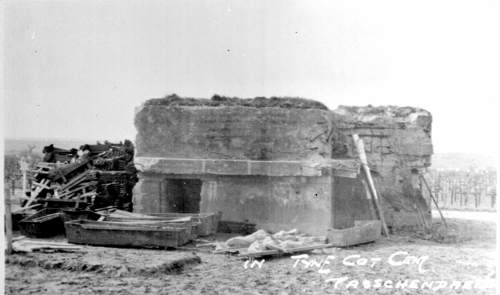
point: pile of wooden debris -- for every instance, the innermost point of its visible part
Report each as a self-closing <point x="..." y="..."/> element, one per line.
<point x="113" y="227"/>
<point x="102" y="175"/>
<point x="96" y="176"/>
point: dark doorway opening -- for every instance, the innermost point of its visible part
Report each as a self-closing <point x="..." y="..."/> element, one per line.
<point x="183" y="195"/>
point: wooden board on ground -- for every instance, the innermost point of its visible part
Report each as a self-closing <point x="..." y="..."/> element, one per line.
<point x="28" y="245"/>
<point x="364" y="231"/>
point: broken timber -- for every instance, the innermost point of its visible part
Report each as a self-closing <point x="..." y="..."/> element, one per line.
<point x="36" y="192"/>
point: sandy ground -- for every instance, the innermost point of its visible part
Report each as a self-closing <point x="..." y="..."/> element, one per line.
<point x="465" y="252"/>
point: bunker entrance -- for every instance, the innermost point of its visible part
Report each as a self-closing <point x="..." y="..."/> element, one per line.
<point x="183" y="195"/>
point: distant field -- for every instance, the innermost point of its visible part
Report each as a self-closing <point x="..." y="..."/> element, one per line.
<point x="456" y="161"/>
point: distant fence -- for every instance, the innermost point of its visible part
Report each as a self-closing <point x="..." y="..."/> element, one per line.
<point x="464" y="189"/>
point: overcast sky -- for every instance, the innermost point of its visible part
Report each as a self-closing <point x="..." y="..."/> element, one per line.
<point x="77" y="69"/>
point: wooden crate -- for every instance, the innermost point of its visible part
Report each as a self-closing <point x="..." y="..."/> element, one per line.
<point x="363" y="231"/>
<point x="176" y="222"/>
<point x="103" y="233"/>
<point x="69" y="215"/>
<point x="44" y="223"/>
<point x="207" y="222"/>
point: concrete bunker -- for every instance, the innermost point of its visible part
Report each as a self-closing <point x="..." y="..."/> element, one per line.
<point x="281" y="163"/>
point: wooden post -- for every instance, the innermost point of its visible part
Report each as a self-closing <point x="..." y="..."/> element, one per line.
<point x="434" y="200"/>
<point x="24" y="169"/>
<point x="8" y="221"/>
<point x="364" y="162"/>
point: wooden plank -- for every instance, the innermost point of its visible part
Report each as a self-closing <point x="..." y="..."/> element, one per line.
<point x="74" y="190"/>
<point x="373" y="213"/>
<point x="27" y="208"/>
<point x="65" y="194"/>
<point x="88" y="194"/>
<point x="364" y="231"/>
<point x="86" y="185"/>
<point x="41" y="185"/>
<point x="434" y="200"/>
<point x="75" y="180"/>
<point x="125" y="214"/>
<point x="35" y="193"/>
<point x="46" y="165"/>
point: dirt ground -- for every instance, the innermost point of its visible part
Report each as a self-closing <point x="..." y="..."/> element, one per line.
<point x="463" y="257"/>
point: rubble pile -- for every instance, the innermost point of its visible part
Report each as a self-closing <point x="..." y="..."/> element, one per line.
<point x="86" y="194"/>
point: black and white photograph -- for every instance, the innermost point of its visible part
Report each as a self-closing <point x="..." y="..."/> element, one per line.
<point x="249" y="147"/>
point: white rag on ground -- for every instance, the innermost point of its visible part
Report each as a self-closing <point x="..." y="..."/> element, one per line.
<point x="282" y="240"/>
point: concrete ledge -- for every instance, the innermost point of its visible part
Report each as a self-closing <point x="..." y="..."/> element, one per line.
<point x="337" y="167"/>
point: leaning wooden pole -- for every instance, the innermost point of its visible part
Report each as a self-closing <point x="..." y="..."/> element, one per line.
<point x="364" y="162"/>
<point x="433" y="199"/>
<point x="373" y="213"/>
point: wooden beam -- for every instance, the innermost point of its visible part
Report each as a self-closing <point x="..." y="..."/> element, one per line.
<point x="27" y="208"/>
<point x="39" y="184"/>
<point x="36" y="192"/>
<point x="373" y="213"/>
<point x="433" y="199"/>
